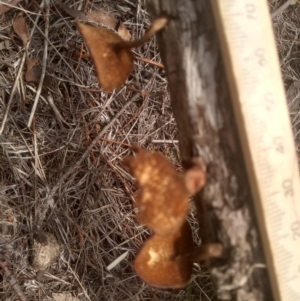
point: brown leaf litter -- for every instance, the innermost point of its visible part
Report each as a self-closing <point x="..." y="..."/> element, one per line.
<point x="21" y="29"/>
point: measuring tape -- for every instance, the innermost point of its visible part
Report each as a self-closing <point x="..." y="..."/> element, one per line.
<point x="254" y="76"/>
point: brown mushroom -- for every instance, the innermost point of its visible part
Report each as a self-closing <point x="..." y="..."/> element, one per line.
<point x="167" y="262"/>
<point x="163" y="198"/>
<point x="112" y="55"/>
<point x="166" y="259"/>
<point x="163" y="262"/>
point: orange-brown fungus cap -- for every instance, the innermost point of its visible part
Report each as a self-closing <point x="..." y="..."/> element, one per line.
<point x="163" y="262"/>
<point x="163" y="197"/>
<point x="113" y="63"/>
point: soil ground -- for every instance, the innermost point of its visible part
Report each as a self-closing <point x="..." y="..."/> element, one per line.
<point x="91" y="213"/>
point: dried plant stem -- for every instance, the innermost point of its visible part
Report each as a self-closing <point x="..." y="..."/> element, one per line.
<point x="119" y="176"/>
<point x="156" y="26"/>
<point x="165" y="141"/>
<point x="19" y="8"/>
<point x="44" y="64"/>
<point x="279" y="10"/>
<point x="159" y="65"/>
<point x="51" y="103"/>
<point x="116" y="142"/>
<point x="14" y="283"/>
<point x="78" y="280"/>
<point x="94" y="142"/>
<point x="59" y="117"/>
<point x="135" y="115"/>
<point x="12" y="93"/>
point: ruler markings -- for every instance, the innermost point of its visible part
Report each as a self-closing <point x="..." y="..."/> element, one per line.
<point x="276" y="221"/>
<point x="272" y="193"/>
<point x="254" y="75"/>
<point x="280" y="237"/>
<point x="277" y="228"/>
<point x="284" y="255"/>
<point x="276" y="225"/>
<point x="293" y="279"/>
<point x="273" y="211"/>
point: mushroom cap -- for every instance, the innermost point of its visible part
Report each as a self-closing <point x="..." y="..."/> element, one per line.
<point x="163" y="198"/>
<point x="113" y="62"/>
<point x="163" y="262"/>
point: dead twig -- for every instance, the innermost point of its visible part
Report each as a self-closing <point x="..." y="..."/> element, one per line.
<point x="119" y="176"/>
<point x="135" y="115"/>
<point x="87" y="134"/>
<point x="281" y="9"/>
<point x="143" y="59"/>
<point x="44" y="64"/>
<point x="116" y="142"/>
<point x="58" y="116"/>
<point x="12" y="280"/>
<point x="12" y="93"/>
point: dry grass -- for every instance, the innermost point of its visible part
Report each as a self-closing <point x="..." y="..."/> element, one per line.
<point x="89" y="198"/>
<point x="91" y="211"/>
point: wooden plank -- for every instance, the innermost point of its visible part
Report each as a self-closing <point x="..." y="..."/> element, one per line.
<point x="253" y="70"/>
<point x="203" y="111"/>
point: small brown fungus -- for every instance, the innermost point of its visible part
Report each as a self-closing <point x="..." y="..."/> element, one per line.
<point x="112" y="55"/>
<point x="163" y="199"/>
<point x="113" y="65"/>
<point x="167" y="262"/>
<point x="163" y="262"/>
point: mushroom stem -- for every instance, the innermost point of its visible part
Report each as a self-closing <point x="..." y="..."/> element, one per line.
<point x="207" y="251"/>
<point x="155" y="26"/>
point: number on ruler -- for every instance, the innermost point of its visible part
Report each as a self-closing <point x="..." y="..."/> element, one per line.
<point x="261" y="58"/>
<point x="278" y="144"/>
<point x="251" y="11"/>
<point x="287" y="186"/>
